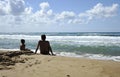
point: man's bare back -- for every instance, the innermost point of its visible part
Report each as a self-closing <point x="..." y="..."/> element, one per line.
<point x="44" y="46"/>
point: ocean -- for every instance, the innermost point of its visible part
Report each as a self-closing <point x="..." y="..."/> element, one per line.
<point x="94" y="45"/>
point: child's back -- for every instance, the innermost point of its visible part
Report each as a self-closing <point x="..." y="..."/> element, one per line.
<point x="22" y="46"/>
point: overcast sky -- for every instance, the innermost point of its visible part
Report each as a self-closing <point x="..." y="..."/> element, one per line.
<point x="59" y="15"/>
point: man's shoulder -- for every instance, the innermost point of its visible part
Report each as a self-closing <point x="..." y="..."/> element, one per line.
<point x="47" y="41"/>
<point x="43" y="41"/>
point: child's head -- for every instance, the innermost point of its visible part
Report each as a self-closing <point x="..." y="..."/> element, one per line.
<point x="22" y="41"/>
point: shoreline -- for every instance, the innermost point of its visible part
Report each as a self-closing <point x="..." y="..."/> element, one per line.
<point x="36" y="65"/>
<point x="74" y="55"/>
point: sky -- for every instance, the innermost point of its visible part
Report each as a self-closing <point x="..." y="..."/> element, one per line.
<point x="59" y="15"/>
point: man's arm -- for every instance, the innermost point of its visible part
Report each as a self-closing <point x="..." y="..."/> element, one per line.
<point x="37" y="48"/>
<point x="50" y="49"/>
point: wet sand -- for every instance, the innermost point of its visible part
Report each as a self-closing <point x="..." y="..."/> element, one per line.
<point x="36" y="65"/>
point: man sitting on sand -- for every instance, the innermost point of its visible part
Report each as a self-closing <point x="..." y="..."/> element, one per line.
<point x="44" y="46"/>
<point x="22" y="46"/>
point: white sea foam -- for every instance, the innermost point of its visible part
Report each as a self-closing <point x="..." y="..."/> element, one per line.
<point x="90" y="56"/>
<point x="69" y="41"/>
<point x="87" y="40"/>
<point x="9" y="49"/>
<point x="81" y="40"/>
<point x="27" y="37"/>
<point x="70" y="54"/>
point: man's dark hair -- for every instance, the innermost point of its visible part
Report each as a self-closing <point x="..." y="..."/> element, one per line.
<point x="22" y="41"/>
<point x="43" y="37"/>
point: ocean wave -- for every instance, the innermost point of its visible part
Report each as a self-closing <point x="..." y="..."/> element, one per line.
<point x="56" y="36"/>
<point x="27" y="37"/>
<point x="81" y="40"/>
<point x="106" y="45"/>
<point x="90" y="56"/>
<point x="72" y="54"/>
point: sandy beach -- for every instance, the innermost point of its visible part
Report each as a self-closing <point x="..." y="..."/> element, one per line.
<point x="36" y="65"/>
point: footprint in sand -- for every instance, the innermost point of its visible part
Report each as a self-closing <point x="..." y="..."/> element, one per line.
<point x="68" y="75"/>
<point x="37" y="62"/>
<point x="4" y="76"/>
<point x="83" y="66"/>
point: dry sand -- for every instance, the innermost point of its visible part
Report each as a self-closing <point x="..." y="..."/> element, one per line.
<point x="58" y="66"/>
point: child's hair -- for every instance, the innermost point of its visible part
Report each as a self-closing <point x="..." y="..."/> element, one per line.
<point x="22" y="41"/>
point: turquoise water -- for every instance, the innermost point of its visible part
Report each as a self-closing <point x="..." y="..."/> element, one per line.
<point x="101" y="45"/>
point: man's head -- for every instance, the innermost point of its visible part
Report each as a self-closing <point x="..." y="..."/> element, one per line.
<point x="43" y="37"/>
<point x="22" y="41"/>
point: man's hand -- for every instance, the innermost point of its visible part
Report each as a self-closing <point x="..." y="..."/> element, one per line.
<point x="53" y="54"/>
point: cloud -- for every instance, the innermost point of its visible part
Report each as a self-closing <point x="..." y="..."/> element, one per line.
<point x="66" y="15"/>
<point x="44" y="11"/>
<point x="28" y="10"/>
<point x="17" y="13"/>
<point x="99" y="11"/>
<point x="4" y="7"/>
<point x="14" y="7"/>
<point x="44" y="5"/>
<point x="17" y="7"/>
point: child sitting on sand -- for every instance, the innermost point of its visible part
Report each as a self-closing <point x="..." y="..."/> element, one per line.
<point x="22" y="46"/>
